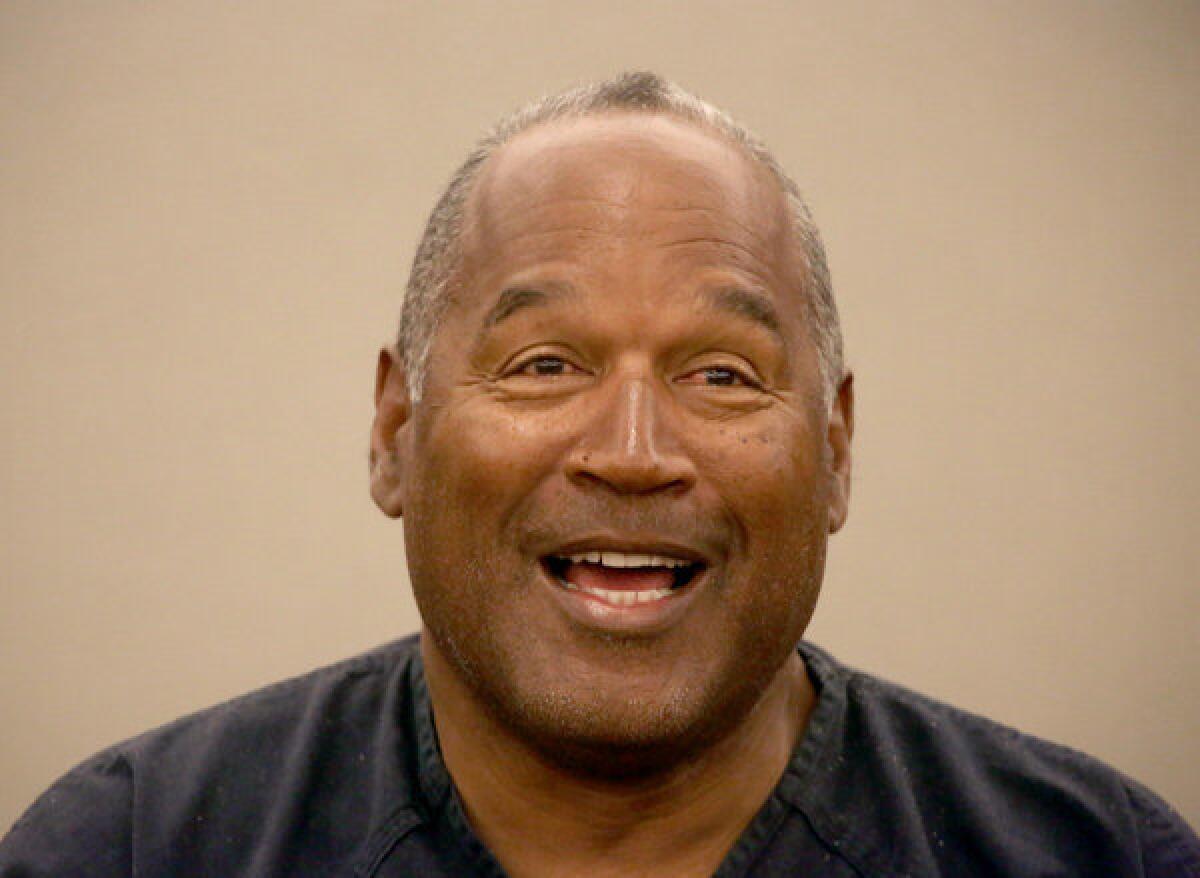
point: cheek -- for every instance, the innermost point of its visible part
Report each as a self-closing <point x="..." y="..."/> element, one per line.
<point x="765" y="471"/>
<point x="485" y="461"/>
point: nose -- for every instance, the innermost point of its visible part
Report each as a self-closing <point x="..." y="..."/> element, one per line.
<point x="629" y="447"/>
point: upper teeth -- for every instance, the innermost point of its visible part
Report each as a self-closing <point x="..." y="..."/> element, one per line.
<point x="626" y="559"/>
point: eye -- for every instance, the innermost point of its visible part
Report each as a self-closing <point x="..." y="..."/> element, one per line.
<point x="720" y="376"/>
<point x="544" y="366"/>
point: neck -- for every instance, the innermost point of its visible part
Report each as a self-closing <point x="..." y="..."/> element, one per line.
<point x="539" y="818"/>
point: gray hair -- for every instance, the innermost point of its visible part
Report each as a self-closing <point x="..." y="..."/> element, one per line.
<point x="438" y="253"/>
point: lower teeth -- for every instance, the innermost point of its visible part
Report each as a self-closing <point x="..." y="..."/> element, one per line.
<point x="619" y="598"/>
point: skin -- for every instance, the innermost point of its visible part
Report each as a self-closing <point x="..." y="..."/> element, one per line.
<point x="625" y="362"/>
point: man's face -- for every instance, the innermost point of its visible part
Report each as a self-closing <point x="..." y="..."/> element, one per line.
<point x="618" y="484"/>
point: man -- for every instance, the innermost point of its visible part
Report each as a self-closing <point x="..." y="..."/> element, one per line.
<point x="617" y="428"/>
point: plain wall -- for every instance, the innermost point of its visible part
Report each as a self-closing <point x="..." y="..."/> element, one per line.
<point x="207" y="211"/>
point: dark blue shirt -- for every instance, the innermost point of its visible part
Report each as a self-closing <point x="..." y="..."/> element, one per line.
<point x="338" y="773"/>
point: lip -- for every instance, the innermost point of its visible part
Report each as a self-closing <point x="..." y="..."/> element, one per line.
<point x="647" y="619"/>
<point x="630" y="545"/>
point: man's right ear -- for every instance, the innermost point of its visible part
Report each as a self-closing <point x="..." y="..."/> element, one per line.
<point x="389" y="433"/>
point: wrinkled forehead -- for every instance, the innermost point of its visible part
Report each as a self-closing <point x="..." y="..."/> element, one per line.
<point x="629" y="174"/>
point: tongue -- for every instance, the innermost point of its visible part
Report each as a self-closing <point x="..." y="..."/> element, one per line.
<point x="619" y="578"/>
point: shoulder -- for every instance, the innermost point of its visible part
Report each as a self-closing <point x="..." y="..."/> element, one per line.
<point x="77" y="827"/>
<point x="306" y="748"/>
<point x="938" y="784"/>
<point x="315" y="707"/>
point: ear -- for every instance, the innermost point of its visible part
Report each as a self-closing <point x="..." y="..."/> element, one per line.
<point x="839" y="433"/>
<point x="389" y="432"/>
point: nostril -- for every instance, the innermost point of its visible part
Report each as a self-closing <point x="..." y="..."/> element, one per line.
<point x="632" y="473"/>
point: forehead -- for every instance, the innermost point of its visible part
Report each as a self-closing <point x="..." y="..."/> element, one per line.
<point x="624" y="177"/>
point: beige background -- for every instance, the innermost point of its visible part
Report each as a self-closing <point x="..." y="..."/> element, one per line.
<point x="207" y="212"/>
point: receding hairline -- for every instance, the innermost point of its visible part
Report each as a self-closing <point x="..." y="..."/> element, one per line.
<point x="782" y="224"/>
<point x="436" y="267"/>
<point x="612" y="118"/>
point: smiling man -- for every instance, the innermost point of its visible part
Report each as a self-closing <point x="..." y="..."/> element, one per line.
<point x="616" y="489"/>
<point x="616" y="427"/>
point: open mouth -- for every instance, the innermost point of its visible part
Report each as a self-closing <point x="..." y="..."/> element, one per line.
<point x="622" y="579"/>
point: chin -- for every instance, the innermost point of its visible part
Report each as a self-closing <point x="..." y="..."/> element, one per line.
<point x="615" y="742"/>
<point x="622" y="732"/>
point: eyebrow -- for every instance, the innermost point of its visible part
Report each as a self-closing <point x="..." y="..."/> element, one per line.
<point x="517" y="299"/>
<point x="754" y="306"/>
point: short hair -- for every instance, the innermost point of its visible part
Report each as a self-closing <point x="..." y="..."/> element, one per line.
<point x="438" y="253"/>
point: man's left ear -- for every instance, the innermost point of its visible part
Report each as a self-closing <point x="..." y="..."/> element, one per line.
<point x="840" y="432"/>
<point x="389" y="433"/>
